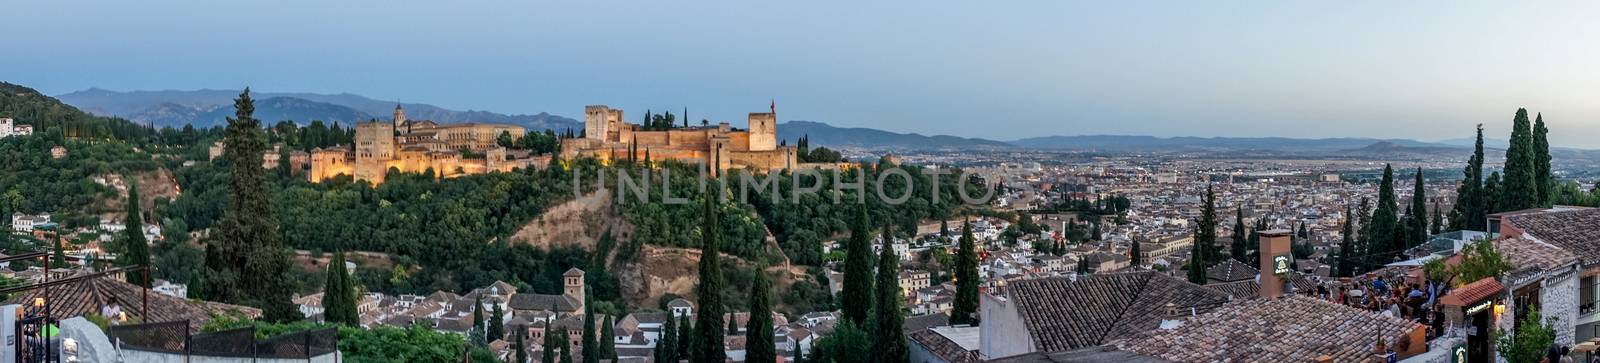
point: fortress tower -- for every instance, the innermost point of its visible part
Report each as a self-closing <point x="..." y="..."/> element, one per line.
<point x="374" y="148"/>
<point x="602" y="123"/>
<point x="764" y="130"/>
<point x="400" y="118"/>
<point x="572" y="285"/>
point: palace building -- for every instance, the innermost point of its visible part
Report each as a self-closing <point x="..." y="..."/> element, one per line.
<point x="608" y="137"/>
<point x="419" y="146"/>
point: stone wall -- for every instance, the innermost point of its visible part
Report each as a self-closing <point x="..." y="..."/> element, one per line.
<point x="1559" y="298"/>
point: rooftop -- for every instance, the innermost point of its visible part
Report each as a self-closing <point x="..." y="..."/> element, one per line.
<point x="1062" y="314"/>
<point x="1273" y="330"/>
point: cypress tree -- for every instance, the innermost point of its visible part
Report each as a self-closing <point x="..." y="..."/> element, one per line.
<point x="60" y="258"/>
<point x="856" y="294"/>
<point x="965" y="307"/>
<point x="136" y="250"/>
<point x="590" y="350"/>
<point x="1544" y="181"/>
<point x="708" y="342"/>
<point x="1240" y="247"/>
<point x="566" y="349"/>
<point x="497" y="327"/>
<point x="550" y="345"/>
<point x="666" y="344"/>
<point x="1419" y="212"/>
<point x="685" y="338"/>
<point x="1205" y="239"/>
<point x="477" y="334"/>
<point x="608" y="340"/>
<point x="1492" y="191"/>
<point x="339" y="295"/>
<point x="890" y="345"/>
<point x="521" y="347"/>
<point x="733" y="323"/>
<point x="1385" y="229"/>
<point x="1345" y="262"/>
<point x="245" y="261"/>
<point x="944" y="230"/>
<point x="799" y="354"/>
<point x="1518" y="184"/>
<point x="1135" y="254"/>
<point x="759" y="343"/>
<point x="1470" y="212"/>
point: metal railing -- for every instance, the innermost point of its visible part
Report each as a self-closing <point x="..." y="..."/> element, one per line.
<point x="174" y="338"/>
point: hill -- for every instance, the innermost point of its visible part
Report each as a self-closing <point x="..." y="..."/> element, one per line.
<point x="1122" y="143"/>
<point x="822" y="134"/>
<point x="200" y="107"/>
<point x="47" y="114"/>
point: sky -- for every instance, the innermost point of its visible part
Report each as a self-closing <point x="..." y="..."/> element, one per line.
<point x="1004" y="70"/>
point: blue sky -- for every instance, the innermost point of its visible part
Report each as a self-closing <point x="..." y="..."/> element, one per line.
<point x="1003" y="70"/>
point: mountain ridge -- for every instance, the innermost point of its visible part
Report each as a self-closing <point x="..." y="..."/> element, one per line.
<point x="175" y="108"/>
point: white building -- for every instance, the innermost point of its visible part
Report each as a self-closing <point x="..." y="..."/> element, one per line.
<point x="26" y="223"/>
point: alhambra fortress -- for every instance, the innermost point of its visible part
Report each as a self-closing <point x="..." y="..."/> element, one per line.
<point x="420" y="146"/>
<point x="607" y="137"/>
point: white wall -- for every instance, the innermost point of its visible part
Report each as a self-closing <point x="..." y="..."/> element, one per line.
<point x="1001" y="330"/>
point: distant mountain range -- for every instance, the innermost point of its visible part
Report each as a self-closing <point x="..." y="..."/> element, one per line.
<point x="1115" y="143"/>
<point x="210" y="107"/>
<point x="821" y="134"/>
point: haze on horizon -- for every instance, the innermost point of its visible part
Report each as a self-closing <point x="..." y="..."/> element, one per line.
<point x="1428" y="70"/>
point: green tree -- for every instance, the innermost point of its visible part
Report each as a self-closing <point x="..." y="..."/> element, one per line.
<point x="477" y="335"/>
<point x="759" y="343"/>
<point x="1419" y="212"/>
<point x="521" y="346"/>
<point x="685" y="338"/>
<point x="1481" y="260"/>
<point x="708" y="325"/>
<point x="890" y="340"/>
<point x="1136" y="253"/>
<point x="666" y="344"/>
<point x="550" y="345"/>
<point x="965" y="309"/>
<point x="848" y="343"/>
<point x="59" y="260"/>
<point x="566" y="349"/>
<point x="1533" y="337"/>
<point x="1492" y="194"/>
<point x="608" y="339"/>
<point x="245" y="261"/>
<point x="1240" y="247"/>
<point x="1471" y="208"/>
<point x="1384" y="230"/>
<point x="1519" y="187"/>
<point x="1544" y="181"/>
<point x="1345" y="263"/>
<point x="338" y="294"/>
<point x="857" y="292"/>
<point x="497" y="327"/>
<point x="590" y="349"/>
<point x="135" y="249"/>
<point x="1205" y="239"/>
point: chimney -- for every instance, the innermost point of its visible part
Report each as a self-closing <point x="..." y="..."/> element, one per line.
<point x="1172" y="312"/>
<point x="1275" y="260"/>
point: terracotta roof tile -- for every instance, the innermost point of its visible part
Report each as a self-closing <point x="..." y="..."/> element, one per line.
<point x="1231" y="270"/>
<point x="1062" y="314"/>
<point x="1472" y="292"/>
<point x="1572" y="230"/>
<point x="1273" y="330"/>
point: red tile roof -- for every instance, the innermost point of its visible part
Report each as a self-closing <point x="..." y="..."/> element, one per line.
<point x="1473" y="292"/>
